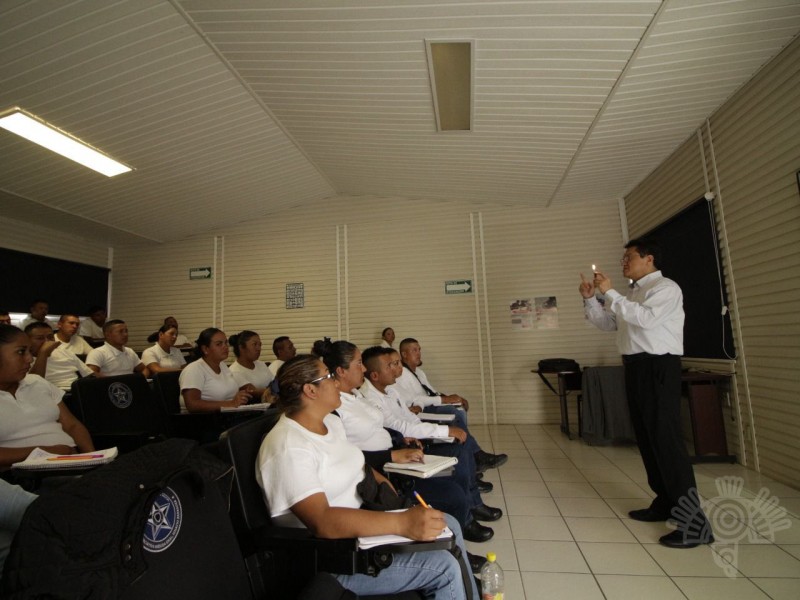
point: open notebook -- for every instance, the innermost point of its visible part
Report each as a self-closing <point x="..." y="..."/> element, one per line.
<point x="429" y="468"/>
<point x="40" y="459"/>
<point x="371" y="541"/>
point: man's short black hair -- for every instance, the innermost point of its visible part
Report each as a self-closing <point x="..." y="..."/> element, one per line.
<point x="370" y="358"/>
<point x="277" y="342"/>
<point x="37" y="325"/>
<point x="407" y="342"/>
<point x="645" y="246"/>
<point x="109" y="324"/>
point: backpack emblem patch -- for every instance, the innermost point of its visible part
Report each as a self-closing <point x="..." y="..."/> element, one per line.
<point x="164" y="522"/>
<point x="120" y="395"/>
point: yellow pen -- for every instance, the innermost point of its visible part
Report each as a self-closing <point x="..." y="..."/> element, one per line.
<point x="421" y="501"/>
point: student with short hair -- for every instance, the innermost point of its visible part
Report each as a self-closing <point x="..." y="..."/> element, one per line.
<point x="92" y="328"/>
<point x="39" y="309"/>
<point x="114" y="357"/>
<point x="52" y="359"/>
<point x="283" y="349"/>
<point x="68" y="325"/>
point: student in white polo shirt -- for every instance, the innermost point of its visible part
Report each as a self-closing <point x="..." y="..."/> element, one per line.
<point x="113" y="357"/>
<point x="52" y="358"/>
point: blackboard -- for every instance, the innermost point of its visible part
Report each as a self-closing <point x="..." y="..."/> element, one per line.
<point x="68" y="287"/>
<point x="691" y="258"/>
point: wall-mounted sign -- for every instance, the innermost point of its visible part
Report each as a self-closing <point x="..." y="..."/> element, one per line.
<point x="295" y="295"/>
<point x="460" y="286"/>
<point x="200" y="273"/>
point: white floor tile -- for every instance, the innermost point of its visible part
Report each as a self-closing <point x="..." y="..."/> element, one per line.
<point x="504" y="549"/>
<point x="691" y="562"/>
<point x="605" y="475"/>
<point x="572" y="490"/>
<point x="554" y="475"/>
<point x="539" y="528"/>
<point x="535" y="507"/>
<point x="550" y="557"/>
<point x="560" y="586"/>
<point x="543" y="462"/>
<point x="619" y="490"/>
<point x="536" y="489"/>
<point x="597" y="530"/>
<point x="628" y="587"/>
<point x="509" y="474"/>
<point x="767" y="561"/>
<point x="715" y="588"/>
<point x="778" y="588"/>
<point x="619" y="559"/>
<point x="583" y="507"/>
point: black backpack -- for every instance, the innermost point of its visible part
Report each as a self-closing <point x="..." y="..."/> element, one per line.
<point x="556" y="365"/>
<point x="152" y="524"/>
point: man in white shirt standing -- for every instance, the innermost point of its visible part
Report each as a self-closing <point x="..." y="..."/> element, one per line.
<point x="649" y="325"/>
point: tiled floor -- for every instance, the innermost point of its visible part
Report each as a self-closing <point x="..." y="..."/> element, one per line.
<point x="566" y="532"/>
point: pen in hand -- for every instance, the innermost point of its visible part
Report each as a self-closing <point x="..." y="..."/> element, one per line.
<point x="421" y="501"/>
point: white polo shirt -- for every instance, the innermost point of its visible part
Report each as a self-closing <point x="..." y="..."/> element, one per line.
<point x="111" y="361"/>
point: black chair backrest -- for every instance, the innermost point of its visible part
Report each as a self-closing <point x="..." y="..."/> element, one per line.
<point x="168" y="390"/>
<point x="241" y="445"/>
<point x="123" y="404"/>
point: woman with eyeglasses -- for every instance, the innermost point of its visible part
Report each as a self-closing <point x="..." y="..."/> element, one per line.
<point x="207" y="384"/>
<point x="163" y="356"/>
<point x="310" y="472"/>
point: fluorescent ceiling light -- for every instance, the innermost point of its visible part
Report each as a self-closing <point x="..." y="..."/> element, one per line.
<point x="39" y="132"/>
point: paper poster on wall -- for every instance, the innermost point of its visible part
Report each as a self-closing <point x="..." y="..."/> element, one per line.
<point x="521" y="314"/>
<point x="546" y="308"/>
<point x="295" y="295"/>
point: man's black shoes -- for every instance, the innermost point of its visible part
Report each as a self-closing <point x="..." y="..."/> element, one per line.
<point x="486" y="513"/>
<point x="648" y="515"/>
<point x="476" y="532"/>
<point x="680" y="539"/>
<point x="484" y="460"/>
<point x="485" y="486"/>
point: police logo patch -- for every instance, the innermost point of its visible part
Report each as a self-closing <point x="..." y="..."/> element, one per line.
<point x="120" y="395"/>
<point x="164" y="522"/>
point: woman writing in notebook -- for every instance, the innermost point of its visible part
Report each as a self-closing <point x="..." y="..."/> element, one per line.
<point x="309" y="473"/>
<point x="31" y="411"/>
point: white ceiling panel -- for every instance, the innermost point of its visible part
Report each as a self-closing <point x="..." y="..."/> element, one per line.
<point x="250" y="106"/>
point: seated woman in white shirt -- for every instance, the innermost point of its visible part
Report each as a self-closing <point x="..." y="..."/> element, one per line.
<point x="309" y="473"/>
<point x="207" y="384"/>
<point x="247" y="368"/>
<point x="164" y="356"/>
<point x="33" y="414"/>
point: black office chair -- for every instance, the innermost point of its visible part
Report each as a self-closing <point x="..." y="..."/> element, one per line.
<point x="119" y="411"/>
<point x="281" y="560"/>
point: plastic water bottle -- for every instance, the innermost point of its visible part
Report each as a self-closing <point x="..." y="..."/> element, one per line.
<point x="492" y="580"/>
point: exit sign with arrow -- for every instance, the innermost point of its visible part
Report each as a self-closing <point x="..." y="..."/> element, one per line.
<point x="460" y="286"/>
<point x="200" y="273"/>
